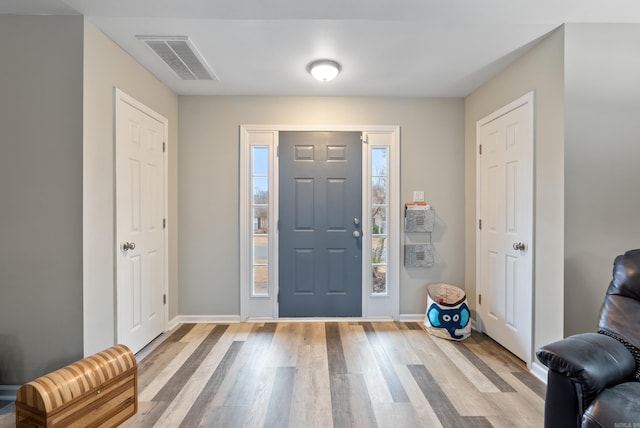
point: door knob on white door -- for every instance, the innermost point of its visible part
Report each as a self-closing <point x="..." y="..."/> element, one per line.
<point x="519" y="246"/>
<point x="128" y="246"/>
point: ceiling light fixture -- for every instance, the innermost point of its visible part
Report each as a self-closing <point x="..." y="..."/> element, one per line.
<point x="324" y="69"/>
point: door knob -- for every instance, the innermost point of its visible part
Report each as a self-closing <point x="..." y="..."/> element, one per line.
<point x="128" y="246"/>
<point x="356" y="234"/>
<point x="519" y="246"/>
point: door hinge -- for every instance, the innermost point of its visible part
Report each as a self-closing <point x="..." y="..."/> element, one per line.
<point x="278" y="297"/>
<point x="277" y="151"/>
<point x="164" y="147"/>
<point x="480" y="224"/>
<point x="479" y="299"/>
<point x="480" y="149"/>
<point x="364" y="139"/>
<point x="164" y="223"/>
<point x="164" y="299"/>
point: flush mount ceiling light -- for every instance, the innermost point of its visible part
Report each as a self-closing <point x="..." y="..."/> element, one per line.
<point x="324" y="69"/>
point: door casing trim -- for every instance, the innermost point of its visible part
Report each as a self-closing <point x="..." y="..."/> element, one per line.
<point x="528" y="98"/>
<point x="378" y="307"/>
<point x="122" y="97"/>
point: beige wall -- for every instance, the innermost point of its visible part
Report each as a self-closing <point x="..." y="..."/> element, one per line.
<point x="106" y="66"/>
<point x="40" y="195"/>
<point x="539" y="70"/>
<point x="432" y="159"/>
<point x="602" y="152"/>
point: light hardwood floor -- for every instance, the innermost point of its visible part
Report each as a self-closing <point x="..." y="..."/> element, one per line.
<point x="332" y="374"/>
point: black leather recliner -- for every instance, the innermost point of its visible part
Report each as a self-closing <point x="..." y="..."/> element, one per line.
<point x="593" y="378"/>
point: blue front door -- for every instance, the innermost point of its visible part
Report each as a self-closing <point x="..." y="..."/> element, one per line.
<point x="320" y="191"/>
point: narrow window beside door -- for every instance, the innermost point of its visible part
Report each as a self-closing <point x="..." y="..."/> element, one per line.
<point x="260" y="210"/>
<point x="379" y="215"/>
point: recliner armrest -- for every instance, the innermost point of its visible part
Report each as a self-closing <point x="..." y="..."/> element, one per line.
<point x="593" y="361"/>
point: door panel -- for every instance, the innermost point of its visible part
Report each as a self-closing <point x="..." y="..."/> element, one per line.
<point x="304" y="199"/>
<point x="320" y="261"/>
<point x="304" y="271"/>
<point x="336" y="204"/>
<point x="505" y="208"/>
<point x="140" y="214"/>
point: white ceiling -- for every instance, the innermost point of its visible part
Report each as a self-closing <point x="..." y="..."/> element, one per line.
<point x="421" y="48"/>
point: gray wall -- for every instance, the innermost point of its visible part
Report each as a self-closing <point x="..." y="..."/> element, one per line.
<point x="539" y="70"/>
<point x="106" y="67"/>
<point x="40" y="195"/>
<point x="56" y="187"/>
<point x="602" y="153"/>
<point x="432" y="157"/>
<point x="585" y="77"/>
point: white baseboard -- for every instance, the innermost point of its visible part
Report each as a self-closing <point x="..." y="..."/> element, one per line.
<point x="539" y="371"/>
<point x="214" y="319"/>
<point x="411" y="317"/>
<point x="232" y="319"/>
<point x="227" y="319"/>
<point x="173" y="323"/>
<point x="321" y="319"/>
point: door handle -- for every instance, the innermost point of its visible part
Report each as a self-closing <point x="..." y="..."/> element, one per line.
<point x="128" y="246"/>
<point x="357" y="234"/>
<point x="519" y="246"/>
<point x="356" y="221"/>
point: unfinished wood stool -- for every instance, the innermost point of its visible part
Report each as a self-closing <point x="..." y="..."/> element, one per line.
<point x="100" y="390"/>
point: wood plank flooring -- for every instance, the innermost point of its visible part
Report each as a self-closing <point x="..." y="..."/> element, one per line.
<point x="332" y="374"/>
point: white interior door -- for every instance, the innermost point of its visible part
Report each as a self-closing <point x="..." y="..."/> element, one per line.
<point x="140" y="208"/>
<point x="505" y="207"/>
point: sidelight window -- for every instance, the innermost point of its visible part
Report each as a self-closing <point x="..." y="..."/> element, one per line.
<point x="379" y="215"/>
<point x="260" y="228"/>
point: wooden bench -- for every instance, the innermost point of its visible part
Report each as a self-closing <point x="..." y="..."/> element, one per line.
<point x="97" y="391"/>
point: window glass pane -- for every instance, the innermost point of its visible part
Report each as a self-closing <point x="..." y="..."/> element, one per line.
<point x="260" y="161"/>
<point x="378" y="249"/>
<point x="260" y="220"/>
<point x="379" y="161"/>
<point x="379" y="280"/>
<point x="260" y="250"/>
<point x="379" y="212"/>
<point x="261" y="190"/>
<point x="379" y="220"/>
<point x="379" y="191"/>
<point x="260" y="280"/>
<point x="260" y="157"/>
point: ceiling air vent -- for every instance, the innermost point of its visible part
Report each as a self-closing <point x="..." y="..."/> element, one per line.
<point x="181" y="55"/>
